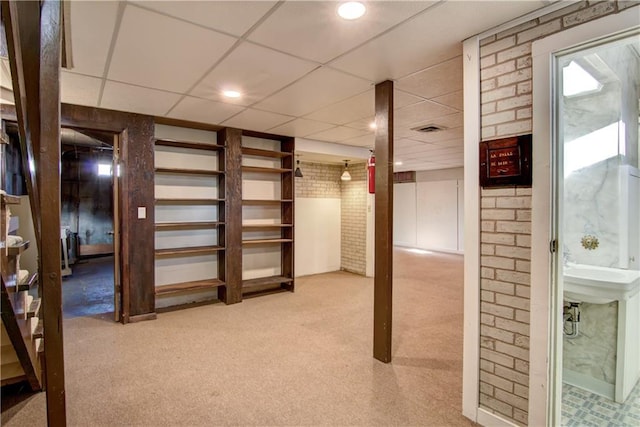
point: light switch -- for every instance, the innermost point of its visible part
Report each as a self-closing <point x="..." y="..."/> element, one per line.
<point x="142" y="212"/>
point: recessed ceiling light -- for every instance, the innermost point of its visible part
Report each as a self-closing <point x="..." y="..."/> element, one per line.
<point x="231" y="93"/>
<point x="351" y="10"/>
<point x="372" y="125"/>
<point x="398" y="163"/>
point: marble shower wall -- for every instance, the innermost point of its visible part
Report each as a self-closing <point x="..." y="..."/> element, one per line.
<point x="591" y="207"/>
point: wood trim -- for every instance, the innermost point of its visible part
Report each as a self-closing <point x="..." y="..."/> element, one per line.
<point x="142" y="317"/>
<point x="383" y="277"/>
<point x="231" y="293"/>
<point x="186" y="124"/>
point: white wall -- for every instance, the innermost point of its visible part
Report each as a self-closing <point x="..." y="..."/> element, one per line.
<point x="404" y="214"/>
<point x="317" y="235"/>
<point x="429" y="214"/>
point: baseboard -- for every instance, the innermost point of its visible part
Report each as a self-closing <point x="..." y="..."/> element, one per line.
<point x="142" y="317"/>
<point x="588" y="383"/>
<point x="488" y="419"/>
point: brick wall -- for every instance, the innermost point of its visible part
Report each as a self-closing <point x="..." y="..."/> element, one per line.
<point x="354" y="220"/>
<point x="506" y="110"/>
<point x="319" y="181"/>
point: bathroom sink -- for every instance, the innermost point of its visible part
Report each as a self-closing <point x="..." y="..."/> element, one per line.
<point x="599" y="285"/>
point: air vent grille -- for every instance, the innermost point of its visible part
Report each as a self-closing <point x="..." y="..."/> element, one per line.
<point x="429" y="128"/>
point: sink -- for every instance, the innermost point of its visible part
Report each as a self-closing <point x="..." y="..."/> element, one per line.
<point x="599" y="285"/>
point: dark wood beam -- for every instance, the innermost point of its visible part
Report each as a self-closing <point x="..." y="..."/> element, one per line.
<point x="231" y="293"/>
<point x="48" y="172"/>
<point x="383" y="275"/>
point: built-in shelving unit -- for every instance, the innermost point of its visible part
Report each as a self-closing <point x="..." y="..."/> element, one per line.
<point x="189" y="218"/>
<point x="267" y="213"/>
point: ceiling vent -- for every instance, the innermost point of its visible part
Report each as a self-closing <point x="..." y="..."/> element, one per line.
<point x="429" y="128"/>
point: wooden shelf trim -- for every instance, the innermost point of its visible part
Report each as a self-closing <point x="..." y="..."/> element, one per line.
<point x="248" y="151"/>
<point x="194" y="250"/>
<point x="265" y="241"/>
<point x="259" y="169"/>
<point x="262" y="281"/>
<point x="192" y="145"/>
<point x="8" y="199"/>
<point x="186" y="201"/>
<point x="183" y="171"/>
<point x="259" y="202"/>
<point x="189" y="286"/>
<point x="18" y="249"/>
<point x="265" y="226"/>
<point x="187" y="225"/>
<point x="33" y="310"/>
<point x="28" y="283"/>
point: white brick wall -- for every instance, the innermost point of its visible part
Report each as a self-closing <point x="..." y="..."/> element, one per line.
<point x="319" y="181"/>
<point x="506" y="109"/>
<point x="354" y="220"/>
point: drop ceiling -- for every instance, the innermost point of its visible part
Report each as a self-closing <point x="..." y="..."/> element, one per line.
<point x="302" y="70"/>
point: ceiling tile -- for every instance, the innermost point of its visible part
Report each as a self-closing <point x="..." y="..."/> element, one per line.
<point x="430" y="38"/>
<point x="420" y="113"/>
<point x="317" y="89"/>
<point x="124" y="97"/>
<point x="79" y="89"/>
<point x="354" y="108"/>
<point x="203" y="110"/>
<point x="453" y="100"/>
<point x="256" y="120"/>
<point x="336" y="134"/>
<point x="313" y="30"/>
<point x="300" y="128"/>
<point x="368" y="141"/>
<point x="440" y="79"/>
<point x="156" y="51"/>
<point x="254" y="71"/>
<point x="93" y="23"/>
<point x="234" y="17"/>
<point x="363" y="124"/>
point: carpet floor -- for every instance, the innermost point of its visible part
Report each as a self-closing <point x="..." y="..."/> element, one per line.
<point x="302" y="358"/>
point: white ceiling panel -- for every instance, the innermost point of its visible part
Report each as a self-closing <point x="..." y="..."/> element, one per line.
<point x="203" y="110"/>
<point x="254" y="71"/>
<point x="300" y="128"/>
<point x="124" y="97"/>
<point x="420" y="113"/>
<point x="453" y="100"/>
<point x="438" y="80"/>
<point x="314" y="91"/>
<point x="234" y="17"/>
<point x="362" y="141"/>
<point x="430" y="38"/>
<point x="91" y="34"/>
<point x="256" y="120"/>
<point x="354" y="108"/>
<point x="313" y="29"/>
<point x="156" y="51"/>
<point x="364" y="124"/>
<point x="79" y="89"/>
<point x="337" y="134"/>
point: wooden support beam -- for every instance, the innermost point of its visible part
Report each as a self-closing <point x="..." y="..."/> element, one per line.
<point x="48" y="172"/>
<point x="231" y="293"/>
<point x="383" y="273"/>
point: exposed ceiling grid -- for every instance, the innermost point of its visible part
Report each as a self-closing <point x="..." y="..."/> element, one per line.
<point x="303" y="71"/>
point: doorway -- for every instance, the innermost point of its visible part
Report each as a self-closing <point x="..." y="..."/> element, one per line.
<point x="90" y="223"/>
<point x="596" y="214"/>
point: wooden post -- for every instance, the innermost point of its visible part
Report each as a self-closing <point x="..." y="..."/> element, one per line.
<point x="49" y="184"/>
<point x="231" y="293"/>
<point x="383" y="276"/>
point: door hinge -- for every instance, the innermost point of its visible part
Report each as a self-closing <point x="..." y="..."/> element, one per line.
<point x="553" y="246"/>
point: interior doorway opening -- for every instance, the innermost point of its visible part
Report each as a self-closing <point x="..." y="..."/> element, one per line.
<point x="89" y="225"/>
